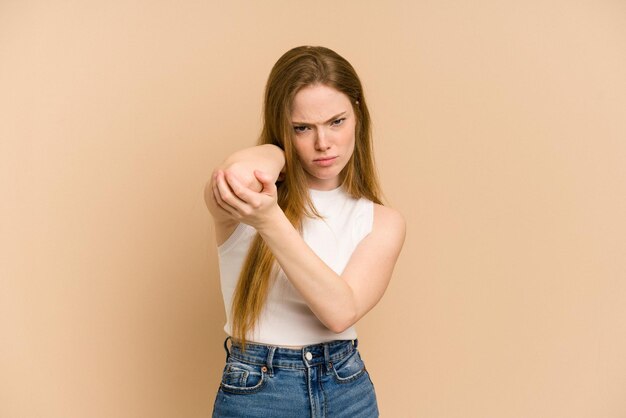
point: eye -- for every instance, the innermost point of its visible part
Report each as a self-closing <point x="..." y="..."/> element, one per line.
<point x="338" y="122"/>
<point x="300" y="129"/>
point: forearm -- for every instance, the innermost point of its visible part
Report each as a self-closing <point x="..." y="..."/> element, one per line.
<point x="338" y="301"/>
<point x="329" y="296"/>
<point x="326" y="293"/>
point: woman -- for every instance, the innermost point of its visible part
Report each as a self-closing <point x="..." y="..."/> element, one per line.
<point x="305" y="247"/>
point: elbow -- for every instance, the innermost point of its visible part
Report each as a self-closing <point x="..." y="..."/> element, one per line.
<point x="339" y="325"/>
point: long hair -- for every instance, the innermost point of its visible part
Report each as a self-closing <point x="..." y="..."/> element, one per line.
<point x="298" y="68"/>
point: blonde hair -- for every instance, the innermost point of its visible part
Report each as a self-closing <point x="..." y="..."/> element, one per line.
<point x="298" y="68"/>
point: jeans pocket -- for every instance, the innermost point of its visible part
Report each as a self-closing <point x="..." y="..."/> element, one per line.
<point x="348" y="368"/>
<point x="239" y="377"/>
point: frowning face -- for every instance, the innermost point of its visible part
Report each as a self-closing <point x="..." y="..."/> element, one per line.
<point x="324" y="134"/>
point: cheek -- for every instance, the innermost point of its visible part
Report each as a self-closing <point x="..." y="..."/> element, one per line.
<point x="350" y="142"/>
<point x="350" y="137"/>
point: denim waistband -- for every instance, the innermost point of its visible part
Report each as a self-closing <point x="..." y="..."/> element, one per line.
<point x="293" y="358"/>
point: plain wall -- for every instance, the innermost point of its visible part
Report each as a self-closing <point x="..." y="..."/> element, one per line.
<point x="499" y="134"/>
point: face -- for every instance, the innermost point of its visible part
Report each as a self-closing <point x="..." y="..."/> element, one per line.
<point x="324" y="134"/>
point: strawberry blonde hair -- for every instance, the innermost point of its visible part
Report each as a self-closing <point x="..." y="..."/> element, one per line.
<point x="298" y="68"/>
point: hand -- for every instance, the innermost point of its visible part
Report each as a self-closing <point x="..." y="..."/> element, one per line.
<point x="257" y="209"/>
<point x="243" y="172"/>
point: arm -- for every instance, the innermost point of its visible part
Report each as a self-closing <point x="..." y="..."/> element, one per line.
<point x="241" y="165"/>
<point x="338" y="301"/>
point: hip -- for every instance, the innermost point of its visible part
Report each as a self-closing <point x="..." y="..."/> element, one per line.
<point x="321" y="380"/>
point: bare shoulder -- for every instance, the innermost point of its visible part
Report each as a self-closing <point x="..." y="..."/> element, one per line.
<point x="388" y="218"/>
<point x="389" y="227"/>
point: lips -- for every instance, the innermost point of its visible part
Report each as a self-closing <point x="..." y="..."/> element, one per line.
<point x="325" y="161"/>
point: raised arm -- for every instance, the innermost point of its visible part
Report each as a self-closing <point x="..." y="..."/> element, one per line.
<point x="241" y="166"/>
<point x="338" y="301"/>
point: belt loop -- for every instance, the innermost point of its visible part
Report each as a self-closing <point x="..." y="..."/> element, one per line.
<point x="270" y="359"/>
<point x="355" y="342"/>
<point x="226" y="347"/>
<point x="327" y="362"/>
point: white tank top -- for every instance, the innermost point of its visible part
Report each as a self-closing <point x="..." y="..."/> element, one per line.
<point x="286" y="319"/>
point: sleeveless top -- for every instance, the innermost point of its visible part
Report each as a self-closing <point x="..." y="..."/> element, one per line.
<point x="286" y="319"/>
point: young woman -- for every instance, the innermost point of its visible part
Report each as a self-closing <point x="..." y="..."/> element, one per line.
<point x="305" y="247"/>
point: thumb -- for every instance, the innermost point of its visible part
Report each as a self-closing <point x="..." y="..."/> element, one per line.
<point x="266" y="180"/>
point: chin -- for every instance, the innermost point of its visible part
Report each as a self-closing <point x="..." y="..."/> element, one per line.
<point x="327" y="177"/>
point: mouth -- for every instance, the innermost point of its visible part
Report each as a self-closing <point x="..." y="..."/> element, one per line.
<point x="325" y="161"/>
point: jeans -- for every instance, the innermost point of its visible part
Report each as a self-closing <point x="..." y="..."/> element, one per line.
<point x="321" y="380"/>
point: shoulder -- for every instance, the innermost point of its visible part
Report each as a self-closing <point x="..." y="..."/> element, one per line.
<point x="388" y="217"/>
<point x="390" y="223"/>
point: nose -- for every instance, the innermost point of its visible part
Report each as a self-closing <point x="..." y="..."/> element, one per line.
<point x="322" y="142"/>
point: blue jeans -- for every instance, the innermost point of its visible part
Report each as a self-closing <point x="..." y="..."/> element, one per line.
<point x="321" y="380"/>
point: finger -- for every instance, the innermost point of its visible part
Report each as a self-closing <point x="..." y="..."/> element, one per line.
<point x="266" y="180"/>
<point x="240" y="191"/>
<point x="228" y="195"/>
<point x="221" y="206"/>
<point x="224" y="208"/>
<point x="220" y="201"/>
<point x="246" y="181"/>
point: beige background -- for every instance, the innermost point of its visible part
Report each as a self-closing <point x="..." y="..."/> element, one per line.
<point x="500" y="134"/>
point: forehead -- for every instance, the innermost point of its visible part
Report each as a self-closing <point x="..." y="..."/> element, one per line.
<point x="317" y="103"/>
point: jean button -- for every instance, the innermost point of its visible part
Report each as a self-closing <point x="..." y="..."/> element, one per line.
<point x="308" y="356"/>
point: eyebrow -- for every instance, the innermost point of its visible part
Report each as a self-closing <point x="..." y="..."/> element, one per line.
<point x="328" y="121"/>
